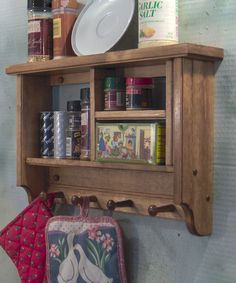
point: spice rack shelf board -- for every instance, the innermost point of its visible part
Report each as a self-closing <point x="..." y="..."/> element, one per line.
<point x="53" y="162"/>
<point x="131" y="115"/>
<point x="186" y="180"/>
<point x="145" y="56"/>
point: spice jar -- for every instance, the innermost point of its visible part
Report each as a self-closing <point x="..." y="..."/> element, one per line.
<point x="114" y="90"/>
<point x="139" y="93"/>
<point x="85" y="124"/>
<point x="39" y="30"/>
<point x="73" y="131"/>
<point x="158" y="22"/>
<point x="65" y="13"/>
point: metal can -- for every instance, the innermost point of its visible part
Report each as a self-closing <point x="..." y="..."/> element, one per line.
<point x="139" y="93"/>
<point x="60" y="123"/>
<point x="158" y="22"/>
<point x="114" y="90"/>
<point x="46" y="134"/>
<point x="64" y="16"/>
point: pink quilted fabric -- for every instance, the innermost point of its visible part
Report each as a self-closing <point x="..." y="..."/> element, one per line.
<point x="23" y="239"/>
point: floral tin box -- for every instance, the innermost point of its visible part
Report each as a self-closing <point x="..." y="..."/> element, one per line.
<point x="128" y="142"/>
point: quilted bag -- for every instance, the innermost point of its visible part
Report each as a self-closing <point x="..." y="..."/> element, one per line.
<point x="84" y="249"/>
<point x="23" y="239"/>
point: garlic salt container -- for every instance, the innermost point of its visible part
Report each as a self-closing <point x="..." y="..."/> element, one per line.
<point x="158" y="22"/>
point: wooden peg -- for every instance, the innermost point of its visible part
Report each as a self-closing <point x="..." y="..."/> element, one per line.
<point x="153" y="210"/>
<point x="112" y="205"/>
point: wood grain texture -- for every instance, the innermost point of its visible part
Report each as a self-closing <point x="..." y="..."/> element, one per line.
<point x="169" y="112"/>
<point x="131" y="115"/>
<point x="54" y="162"/>
<point x="127" y="57"/>
<point x="185" y="181"/>
<point x="115" y="180"/>
<point x="177" y="127"/>
<point x="198" y="142"/>
<point x="141" y="202"/>
<point x="33" y="96"/>
<point x="73" y="78"/>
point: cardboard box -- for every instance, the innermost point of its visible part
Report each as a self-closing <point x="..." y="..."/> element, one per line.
<point x="126" y="142"/>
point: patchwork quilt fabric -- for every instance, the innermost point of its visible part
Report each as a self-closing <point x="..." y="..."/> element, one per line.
<point x="23" y="239"/>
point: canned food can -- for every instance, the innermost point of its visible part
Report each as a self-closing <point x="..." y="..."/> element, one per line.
<point x="46" y="134"/>
<point x="114" y="90"/>
<point x="114" y="100"/>
<point x="139" y="93"/>
<point x="60" y="123"/>
<point x="158" y="23"/>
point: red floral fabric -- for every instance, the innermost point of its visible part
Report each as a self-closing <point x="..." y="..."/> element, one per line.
<point x="23" y="239"/>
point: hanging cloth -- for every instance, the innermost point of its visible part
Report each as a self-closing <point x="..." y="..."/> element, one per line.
<point x="23" y="239"/>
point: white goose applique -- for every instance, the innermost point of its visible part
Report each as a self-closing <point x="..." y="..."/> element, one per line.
<point x="68" y="270"/>
<point x="89" y="272"/>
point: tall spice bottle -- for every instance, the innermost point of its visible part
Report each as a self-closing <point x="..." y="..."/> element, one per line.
<point x="39" y="30"/>
<point x="65" y="13"/>
<point x="85" y="124"/>
<point x="73" y="131"/>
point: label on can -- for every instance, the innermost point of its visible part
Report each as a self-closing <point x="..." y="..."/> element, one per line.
<point x="85" y="136"/>
<point x="158" y="21"/>
<point x="138" y="98"/>
<point x="46" y="134"/>
<point x="57" y="28"/>
<point x="40" y="37"/>
<point x="73" y="139"/>
<point x="114" y="100"/>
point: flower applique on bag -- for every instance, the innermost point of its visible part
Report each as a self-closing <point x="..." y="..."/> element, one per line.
<point x="23" y="239"/>
<point x="83" y="249"/>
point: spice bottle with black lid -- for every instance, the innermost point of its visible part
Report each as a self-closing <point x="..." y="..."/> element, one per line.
<point x="85" y="123"/>
<point x="73" y="131"/>
<point x="40" y="38"/>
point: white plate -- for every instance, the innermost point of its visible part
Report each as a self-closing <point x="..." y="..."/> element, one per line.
<point x="100" y="25"/>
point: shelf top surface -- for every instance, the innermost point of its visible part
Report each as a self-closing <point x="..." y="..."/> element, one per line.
<point x="127" y="57"/>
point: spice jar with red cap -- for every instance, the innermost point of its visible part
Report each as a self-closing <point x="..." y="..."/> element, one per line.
<point x="139" y="93"/>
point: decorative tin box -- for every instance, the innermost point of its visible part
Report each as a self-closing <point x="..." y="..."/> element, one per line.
<point x="127" y="142"/>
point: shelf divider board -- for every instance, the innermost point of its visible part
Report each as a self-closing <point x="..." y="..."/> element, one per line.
<point x="145" y="71"/>
<point x="177" y="127"/>
<point x="198" y="142"/>
<point x="131" y="115"/>
<point x="169" y="112"/>
<point x="74" y="78"/>
<point x="28" y="141"/>
<point x="144" y="56"/>
<point x="93" y="91"/>
<point x="54" y="162"/>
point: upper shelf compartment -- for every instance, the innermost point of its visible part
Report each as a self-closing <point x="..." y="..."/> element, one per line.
<point x="145" y="56"/>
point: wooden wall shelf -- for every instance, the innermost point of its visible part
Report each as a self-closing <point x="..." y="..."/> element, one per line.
<point x="182" y="189"/>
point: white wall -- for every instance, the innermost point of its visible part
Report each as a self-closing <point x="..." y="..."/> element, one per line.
<point x="157" y="251"/>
